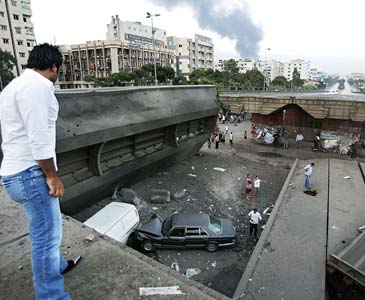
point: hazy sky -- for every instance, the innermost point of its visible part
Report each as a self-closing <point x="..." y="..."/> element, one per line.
<point x="327" y="32"/>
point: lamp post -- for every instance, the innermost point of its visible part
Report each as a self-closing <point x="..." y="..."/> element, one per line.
<point x="150" y="16"/>
<point x="266" y="49"/>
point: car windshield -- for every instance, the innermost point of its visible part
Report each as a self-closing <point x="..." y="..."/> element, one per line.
<point x="215" y="225"/>
<point x="166" y="225"/>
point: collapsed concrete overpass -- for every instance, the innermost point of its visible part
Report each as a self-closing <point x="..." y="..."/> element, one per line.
<point x="112" y="136"/>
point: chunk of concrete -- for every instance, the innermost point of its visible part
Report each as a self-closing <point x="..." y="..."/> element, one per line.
<point x="160" y="196"/>
<point x="127" y="195"/>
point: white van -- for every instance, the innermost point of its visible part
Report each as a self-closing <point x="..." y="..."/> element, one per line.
<point x="116" y="220"/>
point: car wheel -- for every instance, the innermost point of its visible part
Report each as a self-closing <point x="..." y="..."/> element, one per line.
<point x="212" y="247"/>
<point x="148" y="246"/>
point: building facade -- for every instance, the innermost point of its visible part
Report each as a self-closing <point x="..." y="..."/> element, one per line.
<point x="103" y="58"/>
<point x="17" y="31"/>
<point x="302" y="66"/>
<point x="134" y="33"/>
<point x="191" y="54"/>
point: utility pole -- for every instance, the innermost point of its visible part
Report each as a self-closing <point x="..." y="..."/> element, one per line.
<point x="150" y="16"/>
<point x="266" y="49"/>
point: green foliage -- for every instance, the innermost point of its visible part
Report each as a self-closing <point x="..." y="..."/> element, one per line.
<point x="296" y="81"/>
<point x="280" y="81"/>
<point x="230" y="66"/>
<point x="7" y="62"/>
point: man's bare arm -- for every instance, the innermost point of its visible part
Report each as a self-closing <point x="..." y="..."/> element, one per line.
<point x="55" y="184"/>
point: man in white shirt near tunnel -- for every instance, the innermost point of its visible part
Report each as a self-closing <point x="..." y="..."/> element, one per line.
<point x="308" y="169"/>
<point x="28" y="114"/>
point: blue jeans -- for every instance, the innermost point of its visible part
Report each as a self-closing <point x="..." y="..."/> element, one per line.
<point x="29" y="189"/>
<point x="286" y="144"/>
<point x="307" y="181"/>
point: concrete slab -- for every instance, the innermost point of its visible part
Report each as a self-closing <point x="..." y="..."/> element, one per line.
<point x="292" y="261"/>
<point x="346" y="204"/>
<point x="108" y="270"/>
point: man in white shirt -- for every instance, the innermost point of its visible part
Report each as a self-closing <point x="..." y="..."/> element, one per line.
<point x="299" y="139"/>
<point x="308" y="169"/>
<point x="255" y="218"/>
<point x="28" y="114"/>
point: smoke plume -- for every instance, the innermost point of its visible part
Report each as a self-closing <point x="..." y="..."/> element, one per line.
<point x="236" y="25"/>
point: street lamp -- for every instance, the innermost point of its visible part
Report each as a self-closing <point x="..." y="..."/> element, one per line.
<point x="149" y="15"/>
<point x="266" y="49"/>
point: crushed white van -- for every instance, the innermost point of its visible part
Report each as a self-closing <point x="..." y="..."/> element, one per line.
<point x="116" y="220"/>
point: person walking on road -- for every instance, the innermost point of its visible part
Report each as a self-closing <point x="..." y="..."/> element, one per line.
<point x="285" y="140"/>
<point x="299" y="139"/>
<point x="28" y="114"/>
<point x="231" y="138"/>
<point x="255" y="218"/>
<point x="308" y="172"/>
<point x="217" y="141"/>
<point x="227" y="129"/>
<point x="248" y="187"/>
<point x="257" y="185"/>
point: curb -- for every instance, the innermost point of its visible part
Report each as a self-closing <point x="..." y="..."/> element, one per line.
<point x="242" y="285"/>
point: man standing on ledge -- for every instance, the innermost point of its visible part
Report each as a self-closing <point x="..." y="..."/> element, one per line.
<point x="28" y="114"/>
<point x="308" y="172"/>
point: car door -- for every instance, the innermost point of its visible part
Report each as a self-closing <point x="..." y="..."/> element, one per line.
<point x="175" y="238"/>
<point x="195" y="237"/>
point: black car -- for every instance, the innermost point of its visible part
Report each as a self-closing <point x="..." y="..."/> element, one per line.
<point x="186" y="231"/>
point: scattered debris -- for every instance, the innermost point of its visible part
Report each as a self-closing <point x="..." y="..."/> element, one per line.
<point x="190" y="272"/>
<point x="361" y="229"/>
<point x="160" y="196"/>
<point x="344" y="211"/>
<point x="193" y="168"/>
<point x="20" y="267"/>
<point x="347" y="177"/>
<point x="90" y="238"/>
<point x="166" y="290"/>
<point x="175" y="266"/>
<point x="180" y="194"/>
<point x="214" y="264"/>
<point x="268" y="210"/>
<point x="126" y="195"/>
<point x="192" y="175"/>
<point x="219" y="169"/>
<point x="154" y="208"/>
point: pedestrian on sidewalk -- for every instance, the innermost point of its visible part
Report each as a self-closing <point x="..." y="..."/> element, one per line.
<point x="299" y="139"/>
<point x="245" y="134"/>
<point x="28" y="114"/>
<point x="209" y="143"/>
<point x="285" y="140"/>
<point x="223" y="138"/>
<point x="255" y="218"/>
<point x="248" y="187"/>
<point x="227" y="129"/>
<point x="231" y="138"/>
<point x="308" y="173"/>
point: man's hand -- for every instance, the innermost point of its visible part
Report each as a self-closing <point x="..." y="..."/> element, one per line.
<point x="55" y="186"/>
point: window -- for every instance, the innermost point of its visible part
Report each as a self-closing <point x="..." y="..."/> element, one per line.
<point x="192" y="231"/>
<point x="215" y="225"/>
<point x="16" y="17"/>
<point x="178" y="232"/>
<point x="13" y="3"/>
<point x="21" y="54"/>
<point x="2" y="14"/>
<point x="6" y="41"/>
<point x="18" y="30"/>
<point x="26" y="18"/>
<point x="20" y="42"/>
<point x="24" y="67"/>
<point x="3" y="27"/>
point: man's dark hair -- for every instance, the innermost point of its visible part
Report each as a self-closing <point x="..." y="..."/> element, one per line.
<point x="44" y="56"/>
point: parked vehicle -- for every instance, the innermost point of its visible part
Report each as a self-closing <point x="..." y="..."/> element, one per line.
<point x="186" y="231"/>
<point x="116" y="220"/>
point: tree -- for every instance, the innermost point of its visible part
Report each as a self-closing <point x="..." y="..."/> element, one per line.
<point x="230" y="66"/>
<point x="7" y="63"/>
<point x="255" y="78"/>
<point x="280" y="81"/>
<point x="296" y="81"/>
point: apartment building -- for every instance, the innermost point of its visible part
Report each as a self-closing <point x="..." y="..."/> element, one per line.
<point x="102" y="58"/>
<point x="302" y="66"/>
<point x="134" y="33"/>
<point x="17" y="31"/>
<point x="191" y="54"/>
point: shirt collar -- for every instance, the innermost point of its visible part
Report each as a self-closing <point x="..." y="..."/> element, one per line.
<point x="30" y="72"/>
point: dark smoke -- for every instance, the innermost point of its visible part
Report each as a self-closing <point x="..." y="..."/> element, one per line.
<point x="236" y="25"/>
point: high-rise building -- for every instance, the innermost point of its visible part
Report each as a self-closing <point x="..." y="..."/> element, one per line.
<point x="191" y="54"/>
<point x="302" y="66"/>
<point x="103" y="58"/>
<point x="16" y="31"/>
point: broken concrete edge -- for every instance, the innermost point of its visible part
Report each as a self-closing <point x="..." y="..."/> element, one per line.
<point x="158" y="266"/>
<point x="362" y="169"/>
<point x="242" y="285"/>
